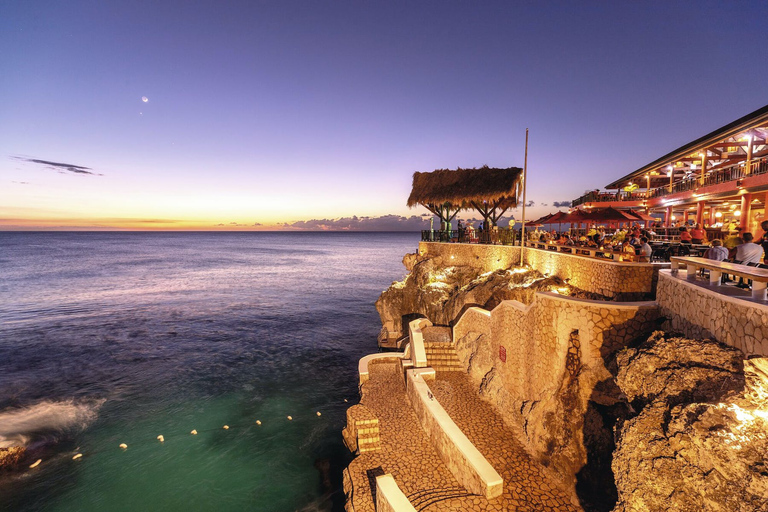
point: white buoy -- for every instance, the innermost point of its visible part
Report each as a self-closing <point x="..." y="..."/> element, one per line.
<point x="77" y="456"/>
<point x="346" y="400"/>
<point x="37" y="463"/>
<point x="290" y="418"/>
<point x="194" y="432"/>
<point x="258" y="422"/>
<point x="318" y="413"/>
<point x="225" y="427"/>
<point x="123" y="446"/>
<point x="161" y="438"/>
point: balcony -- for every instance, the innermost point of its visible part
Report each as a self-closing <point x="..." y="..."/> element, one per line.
<point x="731" y="173"/>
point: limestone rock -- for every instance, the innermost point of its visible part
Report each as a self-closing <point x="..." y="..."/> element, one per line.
<point x="11" y="457"/>
<point x="679" y="369"/>
<point x="442" y="292"/>
<point x="700" y="441"/>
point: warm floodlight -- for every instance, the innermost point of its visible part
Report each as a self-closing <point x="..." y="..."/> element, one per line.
<point x="737" y="213"/>
<point x="718" y="214"/>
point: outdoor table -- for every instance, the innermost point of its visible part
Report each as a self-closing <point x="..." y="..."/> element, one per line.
<point x="759" y="276"/>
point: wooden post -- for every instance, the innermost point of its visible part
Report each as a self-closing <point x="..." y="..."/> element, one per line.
<point x="525" y="175"/>
<point x="703" y="167"/>
<point x="700" y="213"/>
<point x="671" y="177"/>
<point x="712" y="218"/>
<point x="749" y="154"/>
<point x="668" y="217"/>
<point x="746" y="208"/>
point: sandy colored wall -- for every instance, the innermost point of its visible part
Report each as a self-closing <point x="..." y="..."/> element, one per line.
<point x="540" y="364"/>
<point x="700" y="313"/>
<point x="623" y="281"/>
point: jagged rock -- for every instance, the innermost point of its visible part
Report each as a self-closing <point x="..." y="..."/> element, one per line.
<point x="441" y="293"/>
<point x="10" y="457"/>
<point x="675" y="369"/>
<point x="700" y="441"/>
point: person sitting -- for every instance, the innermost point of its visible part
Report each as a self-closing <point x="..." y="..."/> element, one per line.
<point x="685" y="236"/>
<point x="645" y="250"/>
<point x="698" y="235"/>
<point x="749" y="252"/>
<point x="627" y="251"/>
<point x="717" y="252"/>
<point x="764" y="238"/>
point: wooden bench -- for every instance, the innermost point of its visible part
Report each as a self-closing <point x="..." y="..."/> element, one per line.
<point x="759" y="276"/>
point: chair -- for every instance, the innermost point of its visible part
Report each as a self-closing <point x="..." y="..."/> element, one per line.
<point x="660" y="254"/>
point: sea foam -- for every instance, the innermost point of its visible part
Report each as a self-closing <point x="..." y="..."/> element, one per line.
<point x="19" y="426"/>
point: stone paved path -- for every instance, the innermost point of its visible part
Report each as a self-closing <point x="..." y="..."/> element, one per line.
<point x="526" y="486"/>
<point x="408" y="455"/>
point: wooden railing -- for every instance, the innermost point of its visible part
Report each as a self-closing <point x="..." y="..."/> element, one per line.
<point x="731" y="173"/>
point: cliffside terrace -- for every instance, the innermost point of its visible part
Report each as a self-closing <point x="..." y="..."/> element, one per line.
<point x="720" y="178"/>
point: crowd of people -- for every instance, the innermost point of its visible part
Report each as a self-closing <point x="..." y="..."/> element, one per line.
<point x="631" y="243"/>
<point x="739" y="247"/>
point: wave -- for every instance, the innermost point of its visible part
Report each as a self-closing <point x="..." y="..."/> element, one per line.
<point x="46" y="420"/>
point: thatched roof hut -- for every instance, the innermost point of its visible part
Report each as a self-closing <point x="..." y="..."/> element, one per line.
<point x="463" y="187"/>
<point x="489" y="190"/>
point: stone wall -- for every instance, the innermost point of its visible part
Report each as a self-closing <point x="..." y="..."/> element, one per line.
<point x="697" y="313"/>
<point x="619" y="280"/>
<point x="389" y="497"/>
<point x="540" y="365"/>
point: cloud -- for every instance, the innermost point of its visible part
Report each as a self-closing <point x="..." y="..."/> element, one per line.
<point x="355" y="223"/>
<point x="561" y="204"/>
<point x="530" y="203"/>
<point x="61" y="168"/>
<point x="257" y="224"/>
<point x="20" y="182"/>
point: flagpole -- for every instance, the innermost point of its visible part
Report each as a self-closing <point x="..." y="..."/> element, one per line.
<point x="525" y="175"/>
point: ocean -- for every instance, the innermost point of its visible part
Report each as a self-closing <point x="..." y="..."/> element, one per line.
<point x="111" y="338"/>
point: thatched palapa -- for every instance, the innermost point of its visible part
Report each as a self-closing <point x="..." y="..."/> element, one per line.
<point x="486" y="189"/>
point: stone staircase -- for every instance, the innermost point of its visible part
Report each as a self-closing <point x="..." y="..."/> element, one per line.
<point x="361" y="434"/>
<point x="441" y="355"/>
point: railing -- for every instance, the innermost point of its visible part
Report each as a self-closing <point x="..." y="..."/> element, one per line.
<point x="503" y="236"/>
<point x="607" y="197"/>
<point x="730" y="173"/>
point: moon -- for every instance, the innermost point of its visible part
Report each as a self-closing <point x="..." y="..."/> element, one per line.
<point x="144" y="99"/>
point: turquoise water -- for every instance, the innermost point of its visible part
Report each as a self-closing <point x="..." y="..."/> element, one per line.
<point x="110" y="338"/>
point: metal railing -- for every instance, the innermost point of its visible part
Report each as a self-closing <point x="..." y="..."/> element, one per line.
<point x="731" y="173"/>
<point x="502" y="236"/>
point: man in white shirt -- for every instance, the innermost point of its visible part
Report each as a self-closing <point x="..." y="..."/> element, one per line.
<point x="748" y="252"/>
<point x="645" y="249"/>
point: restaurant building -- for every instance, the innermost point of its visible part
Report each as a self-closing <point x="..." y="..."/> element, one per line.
<point x="719" y="180"/>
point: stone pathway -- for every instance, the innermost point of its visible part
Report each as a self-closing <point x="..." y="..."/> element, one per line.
<point x="407" y="454"/>
<point x="526" y="486"/>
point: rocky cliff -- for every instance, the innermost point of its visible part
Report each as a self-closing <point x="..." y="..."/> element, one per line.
<point x="439" y="291"/>
<point x="699" y="438"/>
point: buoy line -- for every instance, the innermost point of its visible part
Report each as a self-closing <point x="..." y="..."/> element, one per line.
<point x="77" y="454"/>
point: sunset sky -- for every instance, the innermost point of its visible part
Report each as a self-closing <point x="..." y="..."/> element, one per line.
<point x="262" y="114"/>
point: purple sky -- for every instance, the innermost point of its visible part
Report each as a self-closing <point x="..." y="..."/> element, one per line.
<point x="291" y="111"/>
